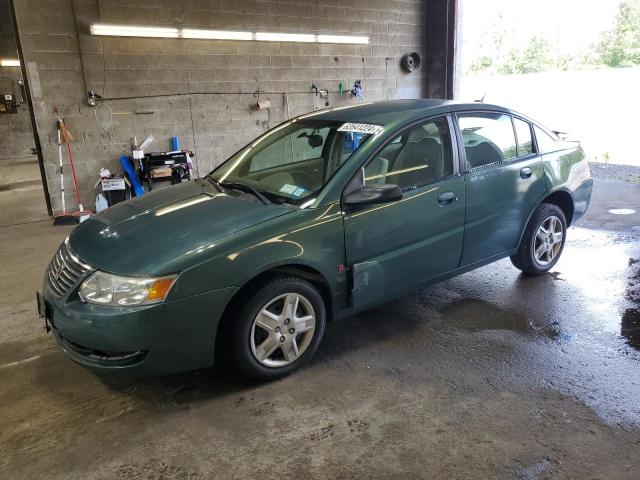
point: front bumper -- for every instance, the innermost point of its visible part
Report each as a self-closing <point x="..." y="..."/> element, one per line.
<point x="156" y="339"/>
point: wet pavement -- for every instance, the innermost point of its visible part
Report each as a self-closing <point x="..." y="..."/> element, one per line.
<point x="492" y="374"/>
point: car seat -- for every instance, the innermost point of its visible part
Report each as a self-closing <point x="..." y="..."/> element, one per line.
<point x="482" y="153"/>
<point x="421" y="155"/>
<point x="376" y="171"/>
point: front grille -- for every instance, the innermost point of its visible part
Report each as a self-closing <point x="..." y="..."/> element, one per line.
<point x="65" y="270"/>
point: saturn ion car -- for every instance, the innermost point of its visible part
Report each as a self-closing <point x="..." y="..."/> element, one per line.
<point x="325" y="215"/>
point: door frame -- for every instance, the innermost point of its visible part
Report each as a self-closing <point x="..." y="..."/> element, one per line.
<point x="455" y="151"/>
<point x="460" y="141"/>
<point x="32" y="115"/>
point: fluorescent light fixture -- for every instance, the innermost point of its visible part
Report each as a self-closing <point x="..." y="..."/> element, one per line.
<point x="9" y="62"/>
<point x="215" y="34"/>
<point x="201" y="33"/>
<point x="134" y="31"/>
<point x="342" y="39"/>
<point x="285" y="37"/>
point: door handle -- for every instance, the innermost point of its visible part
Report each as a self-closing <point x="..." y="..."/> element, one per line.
<point x="447" y="198"/>
<point x="525" y="172"/>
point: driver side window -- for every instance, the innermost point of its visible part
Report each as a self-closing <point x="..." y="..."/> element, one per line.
<point x="418" y="156"/>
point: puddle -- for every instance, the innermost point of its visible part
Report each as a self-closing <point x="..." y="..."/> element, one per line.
<point x="630" y="321"/>
<point x="632" y="292"/>
<point x="621" y="211"/>
<point x="478" y="315"/>
<point x="630" y="327"/>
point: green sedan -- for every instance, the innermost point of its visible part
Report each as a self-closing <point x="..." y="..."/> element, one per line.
<point x="325" y="215"/>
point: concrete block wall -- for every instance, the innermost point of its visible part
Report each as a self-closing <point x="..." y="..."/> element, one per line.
<point x="16" y="135"/>
<point x="61" y="56"/>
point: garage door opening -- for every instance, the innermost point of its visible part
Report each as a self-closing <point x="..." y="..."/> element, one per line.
<point x="22" y="195"/>
<point x="574" y="68"/>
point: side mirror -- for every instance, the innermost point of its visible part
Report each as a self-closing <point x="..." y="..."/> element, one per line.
<point x="373" y="194"/>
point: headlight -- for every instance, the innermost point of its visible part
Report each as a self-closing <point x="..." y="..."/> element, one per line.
<point x="105" y="289"/>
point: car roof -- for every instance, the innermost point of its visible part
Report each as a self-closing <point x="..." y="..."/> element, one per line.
<point x="396" y="111"/>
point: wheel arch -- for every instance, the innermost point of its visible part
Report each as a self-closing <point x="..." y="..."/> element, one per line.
<point x="562" y="199"/>
<point x="306" y="272"/>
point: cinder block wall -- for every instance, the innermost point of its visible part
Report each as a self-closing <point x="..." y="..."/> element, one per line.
<point x="213" y="125"/>
<point x="16" y="137"/>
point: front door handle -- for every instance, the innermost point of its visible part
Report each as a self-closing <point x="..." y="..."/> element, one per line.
<point x="525" y="172"/>
<point x="447" y="198"/>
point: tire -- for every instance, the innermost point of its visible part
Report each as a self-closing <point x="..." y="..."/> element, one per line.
<point x="529" y="258"/>
<point x="267" y="320"/>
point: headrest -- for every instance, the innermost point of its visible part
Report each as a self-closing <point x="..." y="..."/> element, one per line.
<point x="416" y="135"/>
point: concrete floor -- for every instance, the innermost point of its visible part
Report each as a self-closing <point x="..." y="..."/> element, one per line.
<point x="21" y="193"/>
<point x="489" y="375"/>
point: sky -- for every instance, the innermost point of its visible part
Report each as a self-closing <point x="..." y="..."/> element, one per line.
<point x="569" y="25"/>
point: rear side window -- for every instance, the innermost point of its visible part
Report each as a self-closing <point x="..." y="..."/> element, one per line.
<point x="488" y="138"/>
<point x="523" y="132"/>
<point x="546" y="143"/>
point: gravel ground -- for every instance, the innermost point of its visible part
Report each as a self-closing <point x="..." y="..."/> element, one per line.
<point x="608" y="171"/>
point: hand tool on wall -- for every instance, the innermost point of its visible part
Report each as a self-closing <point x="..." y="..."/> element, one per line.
<point x="357" y="90"/>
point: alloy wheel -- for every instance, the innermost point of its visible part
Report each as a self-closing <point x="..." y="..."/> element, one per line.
<point x="282" y="330"/>
<point x="548" y="240"/>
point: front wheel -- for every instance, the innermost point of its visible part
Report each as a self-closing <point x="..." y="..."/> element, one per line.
<point x="279" y="329"/>
<point x="543" y="240"/>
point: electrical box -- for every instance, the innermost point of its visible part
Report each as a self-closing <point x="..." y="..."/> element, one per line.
<point x="8" y="103"/>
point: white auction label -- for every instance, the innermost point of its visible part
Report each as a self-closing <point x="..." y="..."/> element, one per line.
<point x="360" y="128"/>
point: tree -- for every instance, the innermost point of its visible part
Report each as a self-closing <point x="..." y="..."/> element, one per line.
<point x="620" y="46"/>
<point x="482" y="64"/>
<point x="534" y="58"/>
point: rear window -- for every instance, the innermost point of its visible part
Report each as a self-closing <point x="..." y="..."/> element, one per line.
<point x="546" y="143"/>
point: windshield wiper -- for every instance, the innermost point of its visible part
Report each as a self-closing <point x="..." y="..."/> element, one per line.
<point x="245" y="187"/>
<point x="215" y="182"/>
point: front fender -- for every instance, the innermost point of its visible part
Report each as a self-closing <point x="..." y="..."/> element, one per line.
<point x="313" y="238"/>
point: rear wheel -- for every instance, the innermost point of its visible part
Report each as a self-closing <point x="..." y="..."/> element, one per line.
<point x="279" y="329"/>
<point x="543" y="240"/>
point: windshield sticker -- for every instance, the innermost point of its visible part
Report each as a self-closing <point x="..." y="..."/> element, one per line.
<point x="298" y="191"/>
<point x="361" y="128"/>
<point x="289" y="189"/>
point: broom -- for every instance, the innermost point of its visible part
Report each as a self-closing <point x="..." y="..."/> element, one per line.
<point x="64" y="217"/>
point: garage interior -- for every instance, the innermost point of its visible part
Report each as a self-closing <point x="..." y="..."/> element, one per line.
<point x="492" y="374"/>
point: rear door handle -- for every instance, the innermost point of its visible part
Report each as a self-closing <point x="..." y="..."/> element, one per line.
<point x="446" y="198"/>
<point x="525" y="172"/>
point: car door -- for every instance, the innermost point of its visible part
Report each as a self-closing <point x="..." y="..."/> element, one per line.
<point x="393" y="247"/>
<point x="504" y="181"/>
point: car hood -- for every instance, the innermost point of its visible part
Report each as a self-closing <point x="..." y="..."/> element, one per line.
<point x="166" y="230"/>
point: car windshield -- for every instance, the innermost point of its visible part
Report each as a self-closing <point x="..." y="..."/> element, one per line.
<point x="293" y="161"/>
